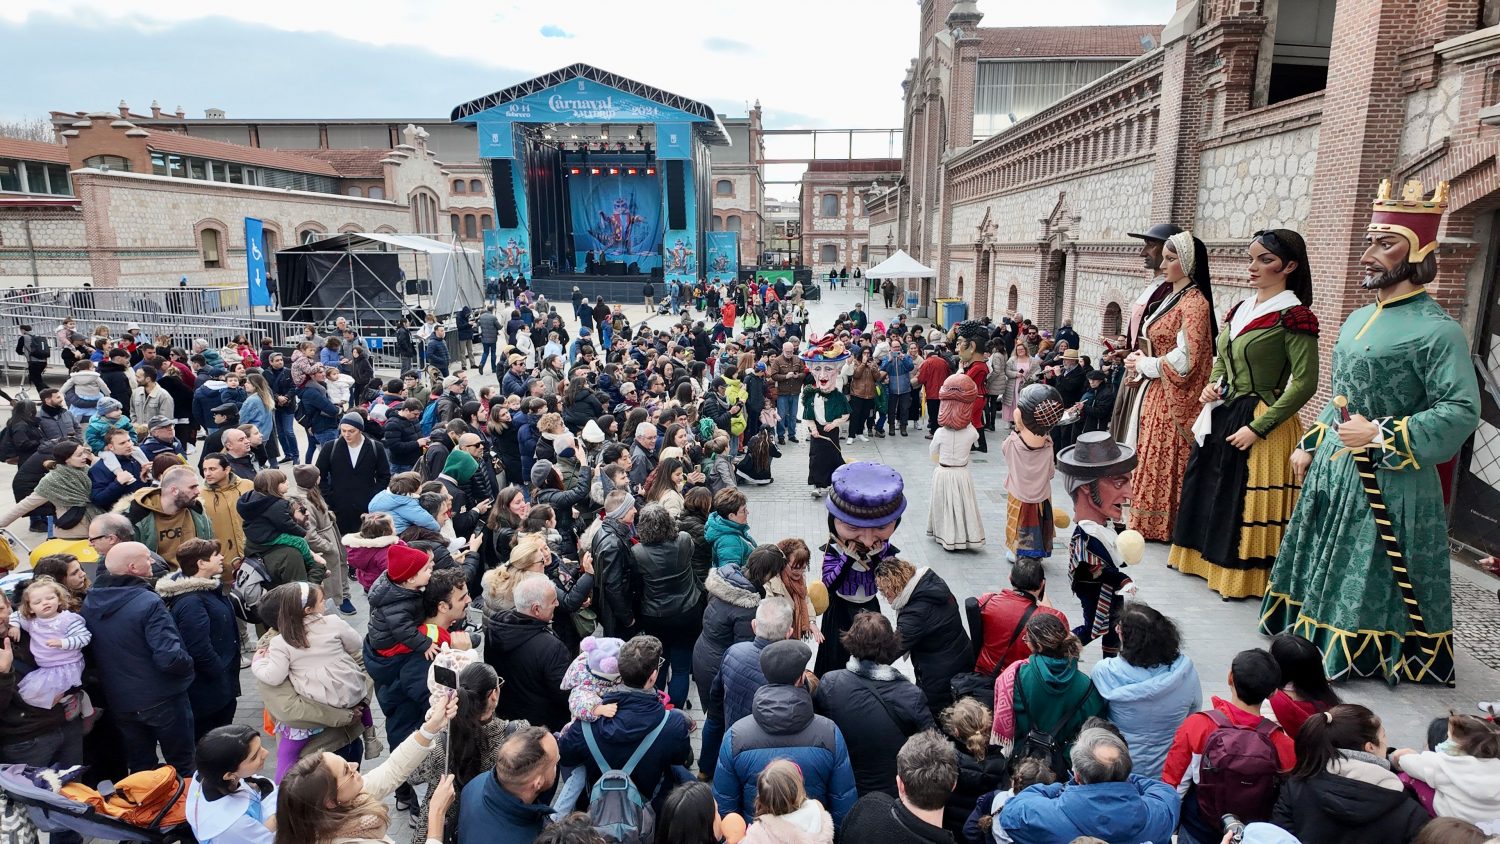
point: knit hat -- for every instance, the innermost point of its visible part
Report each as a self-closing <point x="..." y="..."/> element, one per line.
<point x="603" y="656"/>
<point x="402" y="562"/>
<point x="353" y="420"/>
<point x="460" y="466"/>
<point x="158" y="422"/>
<point x="541" y="472"/>
<point x="783" y="662"/>
<point x="592" y="433"/>
<point x="106" y="406"/>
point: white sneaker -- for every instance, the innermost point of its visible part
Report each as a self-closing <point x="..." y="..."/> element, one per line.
<point x="863" y="438"/>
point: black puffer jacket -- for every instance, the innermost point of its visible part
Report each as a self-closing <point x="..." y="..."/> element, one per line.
<point x="1362" y="803"/>
<point x="578" y="414"/>
<point x="848" y="698"/>
<point x="395" y="615"/>
<point x="531" y="660"/>
<point x="118" y="378"/>
<point x="975" y="778"/>
<point x="400" y="436"/>
<point x="265" y="517"/>
<point x="668" y="587"/>
<point x="616" y="599"/>
<point x="932" y="632"/>
<point x="732" y="600"/>
<point x="563" y="501"/>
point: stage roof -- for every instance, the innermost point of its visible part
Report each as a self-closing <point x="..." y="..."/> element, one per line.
<point x="357" y="241"/>
<point x="709" y="129"/>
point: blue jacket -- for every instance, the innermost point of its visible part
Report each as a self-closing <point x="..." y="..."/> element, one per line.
<point x="205" y="620"/>
<point x="437" y="352"/>
<point x="253" y="411"/>
<point x="136" y="647"/>
<point x="899" y="368"/>
<point x="401" y="688"/>
<point x="783" y="726"/>
<point x="618" y="737"/>
<point x="1148" y="705"/>
<point x="329" y="357"/>
<point x="317" y="406"/>
<point x="1137" y="811"/>
<point x="208" y="395"/>
<point x="487" y="812"/>
<point x="93" y="435"/>
<point x="730" y="540"/>
<point x="404" y="509"/>
<point x="738" y="680"/>
<point x="526" y="437"/>
<point x="106" y="492"/>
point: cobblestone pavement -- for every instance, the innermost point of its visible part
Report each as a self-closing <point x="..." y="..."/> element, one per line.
<point x="1213" y="630"/>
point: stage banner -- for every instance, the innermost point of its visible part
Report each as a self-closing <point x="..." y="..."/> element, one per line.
<point x="508" y="251"/>
<point x="723" y="255"/>
<point x="674" y="140"/>
<point x="582" y="100"/>
<point x="680" y="256"/>
<point x="497" y="139"/>
<point x="255" y="263"/>
<point x="616" y="210"/>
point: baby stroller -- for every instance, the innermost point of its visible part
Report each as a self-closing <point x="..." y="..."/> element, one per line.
<point x="51" y="812"/>
<point x="664" y="307"/>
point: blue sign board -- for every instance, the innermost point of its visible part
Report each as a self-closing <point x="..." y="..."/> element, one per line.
<point x="581" y="101"/>
<point x="723" y="254"/>
<point x="255" y="263"/>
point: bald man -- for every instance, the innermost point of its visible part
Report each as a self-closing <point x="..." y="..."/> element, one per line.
<point x="169" y="515"/>
<point x="238" y="452"/>
<point x="143" y="666"/>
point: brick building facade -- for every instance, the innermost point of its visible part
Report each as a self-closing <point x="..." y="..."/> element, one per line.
<point x="835" y="220"/>
<point x="1225" y="128"/>
<point x="150" y="206"/>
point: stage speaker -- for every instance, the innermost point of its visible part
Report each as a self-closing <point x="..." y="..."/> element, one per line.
<point x="676" y="196"/>
<point x="657" y="274"/>
<point x="505" y="197"/>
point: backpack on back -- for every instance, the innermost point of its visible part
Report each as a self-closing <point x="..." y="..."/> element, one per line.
<point x="429" y="418"/>
<point x="1237" y="771"/>
<point x="1047" y="745"/>
<point x="616" y="807"/>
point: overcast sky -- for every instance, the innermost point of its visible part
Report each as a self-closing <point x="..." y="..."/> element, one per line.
<point x="811" y="63"/>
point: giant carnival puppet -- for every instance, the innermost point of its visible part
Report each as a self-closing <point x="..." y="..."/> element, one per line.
<point x="1029" y="524"/>
<point x="864" y="504"/>
<point x="1363" y="569"/>
<point x="825" y="408"/>
<point x="968" y="339"/>
<point x="953" y="518"/>
<point x="1097" y="471"/>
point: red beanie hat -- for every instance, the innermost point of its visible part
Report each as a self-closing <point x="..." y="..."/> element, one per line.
<point x="403" y="562"/>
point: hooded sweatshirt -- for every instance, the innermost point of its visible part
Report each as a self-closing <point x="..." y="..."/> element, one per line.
<point x="1148" y="705"/>
<point x="731" y="540"/>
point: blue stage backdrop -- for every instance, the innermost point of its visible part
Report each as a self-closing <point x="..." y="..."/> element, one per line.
<point x="723" y="258"/>
<point x="616" y="211"/>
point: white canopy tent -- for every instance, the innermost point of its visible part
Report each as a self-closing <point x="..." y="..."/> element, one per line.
<point x="900" y="265"/>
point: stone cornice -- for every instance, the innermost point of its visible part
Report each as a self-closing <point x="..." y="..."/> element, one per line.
<point x="1472" y="46"/>
<point x="146" y="181"/>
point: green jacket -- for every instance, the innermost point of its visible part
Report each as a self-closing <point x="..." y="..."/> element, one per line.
<point x="1048" y="688"/>
<point x="1275" y="358"/>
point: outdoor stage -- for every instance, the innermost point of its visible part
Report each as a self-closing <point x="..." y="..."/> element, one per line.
<point x="582" y="161"/>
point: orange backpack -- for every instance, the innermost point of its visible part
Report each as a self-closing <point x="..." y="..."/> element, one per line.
<point x="153" y="799"/>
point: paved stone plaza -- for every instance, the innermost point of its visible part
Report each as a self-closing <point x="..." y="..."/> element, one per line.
<point x="1213" y="630"/>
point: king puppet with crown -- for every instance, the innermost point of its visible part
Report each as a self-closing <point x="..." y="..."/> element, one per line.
<point x="1363" y="569"/>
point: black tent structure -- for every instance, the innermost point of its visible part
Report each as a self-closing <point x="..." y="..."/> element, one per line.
<point x="372" y="279"/>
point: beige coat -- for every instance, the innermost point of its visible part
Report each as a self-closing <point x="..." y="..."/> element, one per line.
<point x="218" y="505"/>
<point x="325" y="671"/>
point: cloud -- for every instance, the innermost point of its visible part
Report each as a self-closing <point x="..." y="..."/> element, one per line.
<point x="726" y="45"/>
<point x="554" y="31"/>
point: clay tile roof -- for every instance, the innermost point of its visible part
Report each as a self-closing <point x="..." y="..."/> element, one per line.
<point x="188" y="145"/>
<point x="351" y="163"/>
<point x="1073" y="42"/>
<point x="33" y="150"/>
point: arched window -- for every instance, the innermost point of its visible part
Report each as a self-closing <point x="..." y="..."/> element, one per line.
<point x="476" y="186"/>
<point x="108" y="162"/>
<point x="732" y="223"/>
<point x="457" y="222"/>
<point x="829" y="206"/>
<point x="460" y="186"/>
<point x="471" y="227"/>
<point x="1109" y="327"/>
<point x="724" y="187"/>
<point x="211" y="245"/>
<point x="828" y="253"/>
<point x="424" y="210"/>
<point x="1013" y="300"/>
<point x="376" y="193"/>
<point x="355" y="191"/>
<point x="960" y="287"/>
<point x="716" y="224"/>
<point x="308" y="234"/>
<point x="486" y="222"/>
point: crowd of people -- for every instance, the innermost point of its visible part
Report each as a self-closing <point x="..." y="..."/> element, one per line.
<point x="564" y="581"/>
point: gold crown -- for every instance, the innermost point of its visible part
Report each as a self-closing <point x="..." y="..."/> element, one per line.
<point x="1413" y="199"/>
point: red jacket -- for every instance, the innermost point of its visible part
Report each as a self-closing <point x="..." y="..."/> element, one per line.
<point x="931" y="375"/>
<point x="1000" y="614"/>
<point x="1181" y="768"/>
<point x="978" y="372"/>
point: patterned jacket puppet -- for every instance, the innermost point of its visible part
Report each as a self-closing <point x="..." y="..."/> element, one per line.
<point x="1029" y="529"/>
<point x="1097" y="471"/>
<point x="825" y="409"/>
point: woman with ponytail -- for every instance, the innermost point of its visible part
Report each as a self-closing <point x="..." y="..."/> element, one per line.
<point x="1343" y="789"/>
<point x="982" y="767"/>
<point x="469" y="747"/>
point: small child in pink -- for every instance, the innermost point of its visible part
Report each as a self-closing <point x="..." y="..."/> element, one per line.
<point x="595" y="672"/>
<point x="58" y="637"/>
